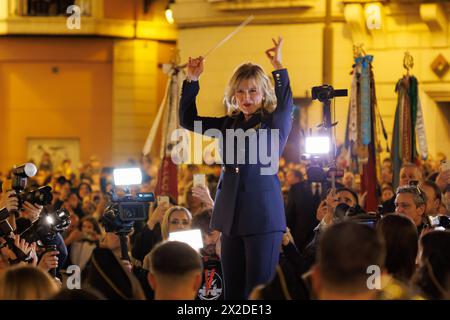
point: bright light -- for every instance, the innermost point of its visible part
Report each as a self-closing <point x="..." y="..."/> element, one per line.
<point x="49" y="220"/>
<point x="127" y="176"/>
<point x="169" y="16"/>
<point x="317" y="145"/>
<point x="191" y="237"/>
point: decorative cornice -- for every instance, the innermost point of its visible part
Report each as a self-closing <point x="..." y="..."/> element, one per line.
<point x="89" y="26"/>
<point x="236" y="5"/>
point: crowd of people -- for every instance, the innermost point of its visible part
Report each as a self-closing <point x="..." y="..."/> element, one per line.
<point x="324" y="254"/>
<point x="266" y="234"/>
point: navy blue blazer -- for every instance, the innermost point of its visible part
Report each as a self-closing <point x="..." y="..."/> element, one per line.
<point x="247" y="202"/>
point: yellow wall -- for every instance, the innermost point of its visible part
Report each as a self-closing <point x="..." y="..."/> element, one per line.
<point x="403" y="29"/>
<point x="119" y="9"/>
<point x="75" y="102"/>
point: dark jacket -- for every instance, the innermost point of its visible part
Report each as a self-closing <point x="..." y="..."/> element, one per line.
<point x="301" y="212"/>
<point x="247" y="202"/>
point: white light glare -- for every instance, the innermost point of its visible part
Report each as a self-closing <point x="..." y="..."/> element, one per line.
<point x="127" y="176"/>
<point x="317" y="145"/>
<point x="191" y="237"/>
<point x="49" y="220"/>
<point x="169" y="16"/>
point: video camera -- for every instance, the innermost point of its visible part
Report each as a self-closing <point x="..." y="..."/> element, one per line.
<point x="325" y="92"/>
<point x="41" y="196"/>
<point x="121" y="212"/>
<point x="320" y="149"/>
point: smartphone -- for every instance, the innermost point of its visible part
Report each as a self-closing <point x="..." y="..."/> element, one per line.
<point x="199" y="180"/>
<point x="191" y="237"/>
<point x="445" y="165"/>
<point x="163" y="199"/>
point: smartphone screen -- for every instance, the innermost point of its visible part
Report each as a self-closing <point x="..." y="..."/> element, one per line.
<point x="191" y="237"/>
<point x="163" y="199"/>
<point x="199" y="180"/>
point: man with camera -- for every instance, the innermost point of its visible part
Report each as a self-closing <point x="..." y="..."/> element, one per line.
<point x="328" y="213"/>
<point x="21" y="215"/>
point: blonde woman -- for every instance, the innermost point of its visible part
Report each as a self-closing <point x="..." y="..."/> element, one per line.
<point x="176" y="218"/>
<point x="26" y="283"/>
<point x="248" y="208"/>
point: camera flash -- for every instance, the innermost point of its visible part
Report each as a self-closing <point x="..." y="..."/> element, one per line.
<point x="49" y="220"/>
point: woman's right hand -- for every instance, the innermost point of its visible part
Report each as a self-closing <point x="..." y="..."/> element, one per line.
<point x="157" y="215"/>
<point x="194" y="68"/>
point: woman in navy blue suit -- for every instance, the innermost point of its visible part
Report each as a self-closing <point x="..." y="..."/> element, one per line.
<point x="248" y="208"/>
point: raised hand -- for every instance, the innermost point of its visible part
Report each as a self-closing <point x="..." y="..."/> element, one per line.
<point x="194" y="68"/>
<point x="202" y="193"/>
<point x="157" y="215"/>
<point x="8" y="200"/>
<point x="31" y="212"/>
<point x="274" y="54"/>
<point x="49" y="260"/>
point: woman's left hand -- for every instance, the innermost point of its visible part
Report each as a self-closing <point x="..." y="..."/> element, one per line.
<point x="274" y="54"/>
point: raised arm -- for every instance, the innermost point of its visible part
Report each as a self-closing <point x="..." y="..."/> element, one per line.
<point x="188" y="108"/>
<point x="282" y="114"/>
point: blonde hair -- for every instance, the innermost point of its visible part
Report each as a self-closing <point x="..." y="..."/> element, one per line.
<point x="26" y="283"/>
<point x="250" y="71"/>
<point x="166" y="218"/>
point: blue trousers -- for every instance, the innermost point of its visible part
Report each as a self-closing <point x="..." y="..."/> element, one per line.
<point x="248" y="261"/>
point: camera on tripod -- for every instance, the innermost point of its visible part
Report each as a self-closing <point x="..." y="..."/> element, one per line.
<point x="320" y="149"/>
<point x="325" y="92"/>
<point x="122" y="211"/>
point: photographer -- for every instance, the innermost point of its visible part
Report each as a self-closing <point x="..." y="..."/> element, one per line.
<point x="111" y="241"/>
<point x="326" y="215"/>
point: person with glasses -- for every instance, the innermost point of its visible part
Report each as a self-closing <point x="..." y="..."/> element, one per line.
<point x="411" y="202"/>
<point x="408" y="172"/>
